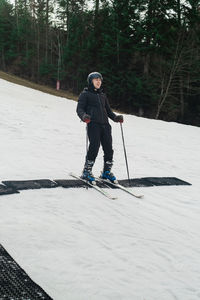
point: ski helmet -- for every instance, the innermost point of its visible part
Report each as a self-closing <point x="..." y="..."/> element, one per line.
<point x="93" y="75"/>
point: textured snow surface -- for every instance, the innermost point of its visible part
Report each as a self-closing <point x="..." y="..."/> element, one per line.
<point x="75" y="243"/>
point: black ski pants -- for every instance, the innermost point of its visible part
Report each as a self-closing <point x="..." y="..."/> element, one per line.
<point x="99" y="134"/>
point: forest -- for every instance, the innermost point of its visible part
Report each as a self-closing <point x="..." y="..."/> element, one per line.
<point x="148" y="51"/>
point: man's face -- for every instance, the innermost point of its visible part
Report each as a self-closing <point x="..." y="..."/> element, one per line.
<point x="97" y="83"/>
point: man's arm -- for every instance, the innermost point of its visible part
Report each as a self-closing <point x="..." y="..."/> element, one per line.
<point x="110" y="113"/>
<point x="81" y="106"/>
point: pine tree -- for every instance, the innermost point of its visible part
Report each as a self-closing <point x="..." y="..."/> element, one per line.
<point x="5" y="30"/>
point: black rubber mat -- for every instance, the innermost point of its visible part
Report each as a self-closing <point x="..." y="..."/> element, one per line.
<point x="153" y="181"/>
<point x="30" y="184"/>
<point x="5" y="190"/>
<point x="10" y="187"/>
<point x="136" y="182"/>
<point x="15" y="284"/>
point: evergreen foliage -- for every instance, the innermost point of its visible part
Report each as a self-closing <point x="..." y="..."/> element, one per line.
<point x="147" y="50"/>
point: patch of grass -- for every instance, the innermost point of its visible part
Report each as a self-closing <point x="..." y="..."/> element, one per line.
<point x="43" y="88"/>
<point x="39" y="87"/>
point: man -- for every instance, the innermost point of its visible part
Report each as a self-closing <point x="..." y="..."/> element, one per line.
<point x="93" y="108"/>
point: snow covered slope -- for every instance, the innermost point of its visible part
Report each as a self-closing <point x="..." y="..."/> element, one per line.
<point x="75" y="243"/>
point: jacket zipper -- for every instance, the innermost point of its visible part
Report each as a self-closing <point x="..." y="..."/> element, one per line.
<point x="101" y="108"/>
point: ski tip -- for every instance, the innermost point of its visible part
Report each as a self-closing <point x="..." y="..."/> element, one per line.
<point x="71" y="174"/>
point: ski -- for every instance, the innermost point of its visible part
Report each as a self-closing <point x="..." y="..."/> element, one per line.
<point x="97" y="188"/>
<point x="121" y="187"/>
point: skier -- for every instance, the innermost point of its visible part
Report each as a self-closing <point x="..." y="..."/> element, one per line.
<point x="93" y="108"/>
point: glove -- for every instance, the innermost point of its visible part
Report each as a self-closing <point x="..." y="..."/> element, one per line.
<point x="86" y="118"/>
<point x="119" y="118"/>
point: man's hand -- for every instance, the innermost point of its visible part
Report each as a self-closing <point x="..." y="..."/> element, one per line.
<point x="119" y="118"/>
<point x="86" y="118"/>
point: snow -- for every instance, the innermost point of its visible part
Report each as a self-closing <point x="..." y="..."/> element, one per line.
<point x="77" y="244"/>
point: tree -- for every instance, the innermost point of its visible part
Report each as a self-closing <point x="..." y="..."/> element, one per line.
<point x="5" y="30"/>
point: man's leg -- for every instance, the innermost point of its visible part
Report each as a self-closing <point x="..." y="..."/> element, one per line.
<point x="94" y="135"/>
<point x="106" y="141"/>
<point x="93" y="132"/>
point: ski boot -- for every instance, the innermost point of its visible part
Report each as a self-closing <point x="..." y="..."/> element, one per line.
<point x="87" y="172"/>
<point x="106" y="174"/>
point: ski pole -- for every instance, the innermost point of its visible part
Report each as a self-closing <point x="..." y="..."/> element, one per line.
<point x="86" y="147"/>
<point x="86" y="139"/>
<point x="125" y="155"/>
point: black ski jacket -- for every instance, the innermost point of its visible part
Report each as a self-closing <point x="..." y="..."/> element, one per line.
<point x="94" y="103"/>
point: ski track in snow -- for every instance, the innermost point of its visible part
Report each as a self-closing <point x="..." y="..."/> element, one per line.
<point x="75" y="243"/>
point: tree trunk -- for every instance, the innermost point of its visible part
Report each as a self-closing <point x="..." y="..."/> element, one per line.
<point x="96" y="9"/>
<point x="179" y="11"/>
<point x="148" y="37"/>
<point x="47" y="30"/>
<point x="146" y="64"/>
<point x="182" y="108"/>
<point x="67" y="15"/>
<point x="165" y="91"/>
<point x="3" y="60"/>
<point x="38" y="50"/>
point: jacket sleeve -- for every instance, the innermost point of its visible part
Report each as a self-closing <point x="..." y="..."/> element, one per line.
<point x="110" y="113"/>
<point x="81" y="106"/>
